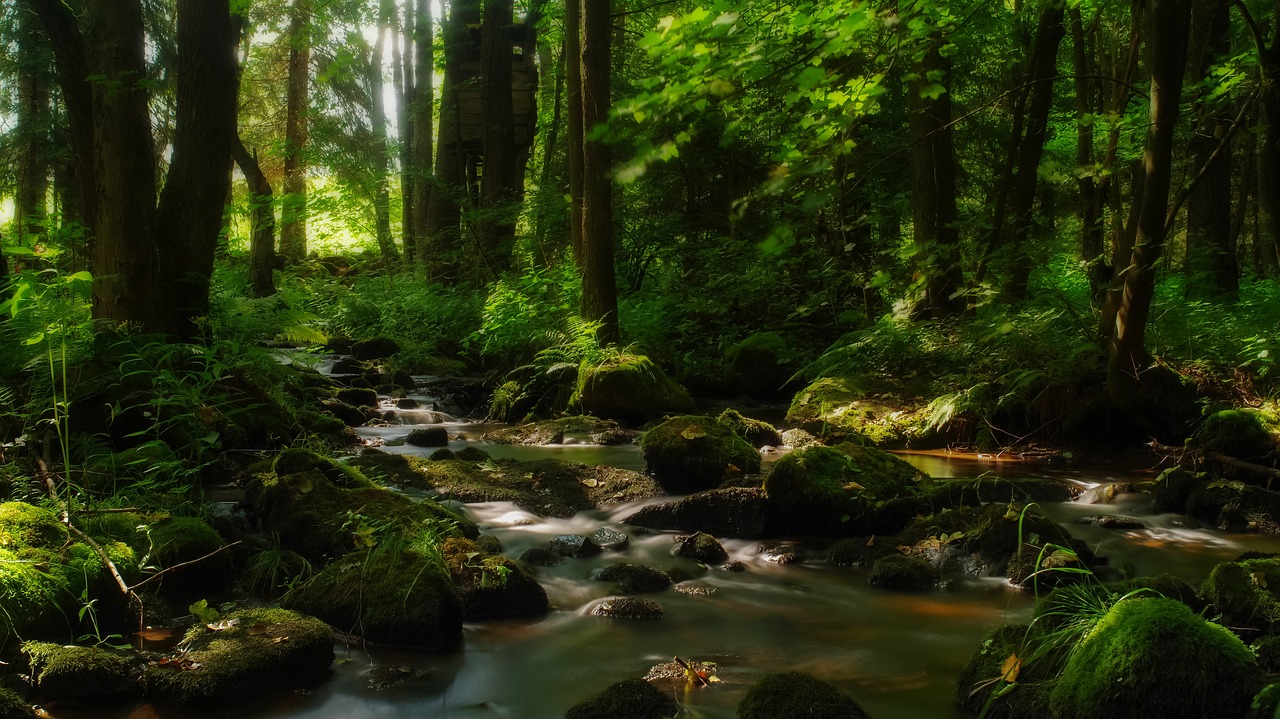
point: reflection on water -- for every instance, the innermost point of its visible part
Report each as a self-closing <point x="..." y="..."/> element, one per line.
<point x="898" y="653"/>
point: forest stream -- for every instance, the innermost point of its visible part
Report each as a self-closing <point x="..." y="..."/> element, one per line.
<point x="899" y="653"/>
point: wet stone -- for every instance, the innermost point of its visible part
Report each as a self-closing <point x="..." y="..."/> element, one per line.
<point x="540" y="557"/>
<point x="734" y="566"/>
<point x="608" y="538"/>
<point x="701" y="547"/>
<point x="633" y="578"/>
<point x="694" y="589"/>
<point x="573" y="545"/>
<point x="381" y="678"/>
<point x="408" y="403"/>
<point x="1112" y="521"/>
<point x="428" y="437"/>
<point x="628" y="608"/>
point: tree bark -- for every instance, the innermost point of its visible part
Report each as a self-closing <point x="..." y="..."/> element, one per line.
<point x="423" y="98"/>
<point x="496" y="226"/>
<point x="262" y="250"/>
<point x="293" y="205"/>
<point x="31" y="133"/>
<point x="599" y="284"/>
<point x="573" y="83"/>
<point x="1091" y="228"/>
<point x="402" y="80"/>
<point x="378" y="122"/>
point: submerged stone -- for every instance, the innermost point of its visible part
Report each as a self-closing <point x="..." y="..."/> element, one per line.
<point x="573" y="545"/>
<point x="633" y="578"/>
<point x="896" y="571"/>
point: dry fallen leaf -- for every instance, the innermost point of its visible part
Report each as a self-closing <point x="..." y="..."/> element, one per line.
<point x="1009" y="670"/>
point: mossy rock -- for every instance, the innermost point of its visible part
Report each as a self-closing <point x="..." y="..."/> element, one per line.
<point x="1237" y="433"/>
<point x="1155" y="659"/>
<point x="755" y="432"/>
<point x="580" y="429"/>
<point x="690" y="453"/>
<point x="630" y="699"/>
<point x="630" y="389"/>
<point x="13" y="707"/>
<point x="349" y="415"/>
<point x="1266" y="703"/>
<point x="734" y="512"/>
<point x="176" y="540"/>
<point x="324" y="424"/>
<point x="403" y="598"/>
<point x="789" y="695"/>
<point x="816" y="491"/>
<point x="1246" y="594"/>
<point x="701" y="547"/>
<point x="897" y="571"/>
<point x="546" y="487"/>
<point x="633" y="578"/>
<point x="490" y="585"/>
<point x="428" y="437"/>
<point x="375" y="348"/>
<point x="1267" y="651"/>
<point x="28" y="526"/>
<point x="358" y="396"/>
<point x="759" y="365"/>
<point x="72" y="672"/>
<point x="839" y="408"/>
<point x="981" y="674"/>
<point x="262" y="651"/>
<point x="310" y="502"/>
<point x="629" y="608"/>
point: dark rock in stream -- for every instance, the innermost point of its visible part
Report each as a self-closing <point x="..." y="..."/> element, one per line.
<point x="1229" y="505"/>
<point x="736" y="512"/>
<point x="573" y="545"/>
<point x="490" y="585"/>
<point x="693" y="453"/>
<point x="630" y="699"/>
<point x="974" y="687"/>
<point x="408" y="403"/>
<point x="541" y="557"/>
<point x="607" y="538"/>
<point x="61" y="672"/>
<point x="382" y="678"/>
<point x="348" y="365"/>
<point x="358" y="396"/>
<point x="428" y="437"/>
<point x="350" y="416"/>
<point x="896" y="571"/>
<point x="12" y="706"/>
<point x="633" y="578"/>
<point x="1112" y="521"/>
<point x="555" y="431"/>
<point x="701" y="547"/>
<point x="795" y="694"/>
<point x="375" y="349"/>
<point x="628" y="608"/>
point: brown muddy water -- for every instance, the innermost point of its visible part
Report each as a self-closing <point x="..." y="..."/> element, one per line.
<point x="898" y="653"/>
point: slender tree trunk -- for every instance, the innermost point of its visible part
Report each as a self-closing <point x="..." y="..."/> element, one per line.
<point x="548" y="182"/>
<point x="402" y="80"/>
<point x="1091" y="228"/>
<point x="1044" y="60"/>
<point x="378" y="120"/>
<point x="1211" y="253"/>
<point x="933" y="189"/>
<point x="293" y="205"/>
<point x="189" y="215"/>
<point x="599" y="284"/>
<point x="31" y="133"/>
<point x="1134" y="385"/>
<point x="262" y="250"/>
<point x="423" y="98"/>
<point x="495" y="228"/>
<point x="573" y="81"/>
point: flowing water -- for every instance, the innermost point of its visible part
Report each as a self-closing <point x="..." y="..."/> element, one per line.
<point x="898" y="653"/>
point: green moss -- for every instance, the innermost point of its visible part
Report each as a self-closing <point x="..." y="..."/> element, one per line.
<point x="630" y="699"/>
<point x="842" y="407"/>
<point x="24" y="525"/>
<point x="975" y="686"/>
<point x="1155" y="659"/>
<point x="294" y="461"/>
<point x="265" y="650"/>
<point x="796" y="694"/>
<point x="393" y="469"/>
<point x="13" y="707"/>
<point x="815" y="491"/>
<point x="759" y="365"/>
<point x="628" y="388"/>
<point x="1266" y="703"/>
<point x="176" y="540"/>
<point x="403" y="598"/>
<point x="546" y="487"/>
<point x="633" y="578"/>
<point x="70" y="672"/>
<point x="1235" y="432"/>
<point x="692" y="452"/>
<point x="896" y="571"/>
<point x="1245" y="593"/>
<point x="755" y="432"/>
<point x="490" y="585"/>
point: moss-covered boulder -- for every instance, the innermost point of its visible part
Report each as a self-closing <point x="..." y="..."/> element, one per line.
<point x="28" y="526"/>
<point x="428" y="437"/>
<point x="845" y="407"/>
<point x="374" y="349"/>
<point x="630" y="608"/>
<point x="13" y="707"/>
<point x="317" y="506"/>
<point x="759" y="365"/>
<point x="491" y="586"/>
<point x="60" y="671"/>
<point x="816" y="491"/>
<point x="633" y="578"/>
<point x="1266" y="703"/>
<point x="398" y="596"/>
<point x="788" y="695"/>
<point x="630" y="699"/>
<point x="1155" y="659"/>
<point x="897" y="571"/>
<point x="257" y="652"/>
<point x="732" y="512"/>
<point x="701" y="547"/>
<point x="565" y="430"/>
<point x="755" y="432"/>
<point x="630" y="389"/>
<point x="546" y="487"/>
<point x="690" y="453"/>
<point x="1230" y="504"/>
<point x="1237" y="433"/>
<point x="358" y="397"/>
<point x="998" y="663"/>
<point x="1246" y="593"/>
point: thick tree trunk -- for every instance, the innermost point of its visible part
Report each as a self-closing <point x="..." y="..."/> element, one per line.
<point x="1091" y="228"/>
<point x="262" y="250"/>
<point x="1211" y="254"/>
<point x="378" y="121"/>
<point x="496" y="225"/>
<point x="573" y="83"/>
<point x="189" y="215"/>
<point x="1044" y="60"/>
<point x="293" y="204"/>
<point x="423" y="97"/>
<point x="933" y="190"/>
<point x="402" y="81"/>
<point x="31" y="133"/>
<point x="1137" y="387"/>
<point x="599" y="285"/>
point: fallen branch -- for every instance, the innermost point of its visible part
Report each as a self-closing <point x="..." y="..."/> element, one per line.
<point x="180" y="565"/>
<point x="1244" y="466"/>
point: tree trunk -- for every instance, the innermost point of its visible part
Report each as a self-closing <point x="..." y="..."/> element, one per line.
<point x="31" y="134"/>
<point x="423" y="97"/>
<point x="496" y="225"/>
<point x="933" y="189"/>
<point x="1091" y="228"/>
<point x="378" y="121"/>
<point x="1144" y="391"/>
<point x="402" y="81"/>
<point x="1044" y="60"/>
<point x="573" y="83"/>
<point x="262" y="250"/>
<point x="189" y="215"/>
<point x="293" y="205"/>
<point x="1211" y="253"/>
<point x="599" y="285"/>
